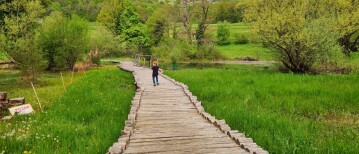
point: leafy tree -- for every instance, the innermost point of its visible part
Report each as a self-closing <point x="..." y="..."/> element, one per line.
<point x="28" y="58"/>
<point x="20" y="22"/>
<point x="158" y="23"/>
<point x="62" y="40"/>
<point x="128" y="18"/>
<point x="347" y="14"/>
<point x="227" y="11"/>
<point x="132" y="30"/>
<point x="293" y="29"/>
<point x="223" y="33"/>
<point x="105" y="41"/>
<point x="203" y="23"/>
<point x="87" y="9"/>
<point x="186" y="14"/>
<point x="110" y="14"/>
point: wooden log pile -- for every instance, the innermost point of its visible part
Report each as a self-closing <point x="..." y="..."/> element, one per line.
<point x="6" y="103"/>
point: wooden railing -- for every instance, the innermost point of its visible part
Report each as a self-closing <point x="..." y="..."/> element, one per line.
<point x="144" y="60"/>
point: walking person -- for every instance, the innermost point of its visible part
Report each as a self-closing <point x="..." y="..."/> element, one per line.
<point x="155" y="70"/>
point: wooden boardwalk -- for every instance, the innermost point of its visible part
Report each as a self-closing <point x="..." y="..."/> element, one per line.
<point x="167" y="121"/>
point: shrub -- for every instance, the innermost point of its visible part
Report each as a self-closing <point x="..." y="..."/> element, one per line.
<point x="223" y="33"/>
<point x="240" y="38"/>
<point x="208" y="52"/>
<point x="103" y="39"/>
<point x="63" y="41"/>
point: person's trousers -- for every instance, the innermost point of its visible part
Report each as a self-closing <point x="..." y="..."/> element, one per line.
<point x="155" y="79"/>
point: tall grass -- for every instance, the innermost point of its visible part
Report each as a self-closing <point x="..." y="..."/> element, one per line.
<point x="256" y="51"/>
<point x="284" y="113"/>
<point x="87" y="118"/>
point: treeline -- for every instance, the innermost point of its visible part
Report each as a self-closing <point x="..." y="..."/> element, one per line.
<point x="36" y="37"/>
<point x="171" y="29"/>
<point x="54" y="34"/>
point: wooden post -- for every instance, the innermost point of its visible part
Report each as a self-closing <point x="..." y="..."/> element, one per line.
<point x="150" y="61"/>
<point x="63" y="83"/>
<point x="139" y="60"/>
<point x="38" y="101"/>
<point x="3" y="96"/>
<point x="72" y="76"/>
<point x="144" y="61"/>
<point x="83" y="70"/>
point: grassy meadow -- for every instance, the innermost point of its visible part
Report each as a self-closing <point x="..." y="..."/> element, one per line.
<point x="256" y="51"/>
<point x="233" y="51"/>
<point x="284" y="113"/>
<point x="87" y="118"/>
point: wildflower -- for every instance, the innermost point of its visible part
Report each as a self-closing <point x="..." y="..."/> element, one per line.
<point x="27" y="152"/>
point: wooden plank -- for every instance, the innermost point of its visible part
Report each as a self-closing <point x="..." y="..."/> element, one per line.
<point x="155" y="149"/>
<point x="20" y="100"/>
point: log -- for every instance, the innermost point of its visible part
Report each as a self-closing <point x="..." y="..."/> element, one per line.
<point x="17" y="101"/>
<point x="3" y="96"/>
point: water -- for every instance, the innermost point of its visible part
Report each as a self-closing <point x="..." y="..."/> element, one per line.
<point x="179" y="66"/>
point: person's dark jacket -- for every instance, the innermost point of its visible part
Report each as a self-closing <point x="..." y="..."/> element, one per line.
<point x="155" y="70"/>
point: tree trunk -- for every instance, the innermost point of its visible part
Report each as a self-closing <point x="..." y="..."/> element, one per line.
<point x="200" y="35"/>
<point x="186" y="20"/>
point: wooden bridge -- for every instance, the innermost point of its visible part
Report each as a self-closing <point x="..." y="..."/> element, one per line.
<point x="168" y="119"/>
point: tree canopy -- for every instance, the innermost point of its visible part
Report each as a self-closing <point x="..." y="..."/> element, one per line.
<point x="300" y="31"/>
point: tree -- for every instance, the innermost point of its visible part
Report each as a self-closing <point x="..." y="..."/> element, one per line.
<point x="132" y="31"/>
<point x="128" y="18"/>
<point x="202" y="25"/>
<point x="185" y="14"/>
<point x="18" y="31"/>
<point x="103" y="39"/>
<point x="223" y="33"/>
<point x="110" y="13"/>
<point x="227" y="11"/>
<point x="63" y="41"/>
<point x="28" y="58"/>
<point x="347" y="14"/>
<point x="158" y="23"/>
<point x="294" y="29"/>
<point x="86" y="9"/>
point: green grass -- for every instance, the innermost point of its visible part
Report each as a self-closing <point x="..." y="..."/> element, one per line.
<point x="117" y="58"/>
<point x="87" y="118"/>
<point x="234" y="28"/>
<point x="284" y="113"/>
<point x="256" y="51"/>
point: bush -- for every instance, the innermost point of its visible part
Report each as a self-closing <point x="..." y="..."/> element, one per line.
<point x="223" y="33"/>
<point x="183" y="50"/>
<point x="63" y="41"/>
<point x="96" y="60"/>
<point x="105" y="41"/>
<point x="240" y="38"/>
<point x="208" y="52"/>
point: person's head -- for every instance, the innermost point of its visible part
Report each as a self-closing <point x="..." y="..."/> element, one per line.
<point x="154" y="63"/>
